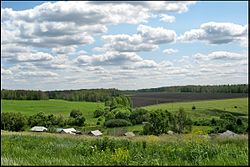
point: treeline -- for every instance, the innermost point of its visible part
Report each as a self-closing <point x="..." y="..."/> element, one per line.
<point x="19" y="122"/>
<point x="24" y="95"/>
<point x="237" y="88"/>
<point x="93" y="95"/>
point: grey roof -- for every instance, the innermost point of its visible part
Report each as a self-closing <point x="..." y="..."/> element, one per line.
<point x="38" y="129"/>
<point x="59" y="129"/>
<point x="69" y="130"/>
<point x="129" y="134"/>
<point x="96" y="133"/>
<point x="228" y="133"/>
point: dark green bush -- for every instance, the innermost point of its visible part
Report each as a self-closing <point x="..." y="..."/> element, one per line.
<point x="98" y="113"/>
<point x="75" y="113"/>
<point x="117" y="123"/>
<point x="13" y="121"/>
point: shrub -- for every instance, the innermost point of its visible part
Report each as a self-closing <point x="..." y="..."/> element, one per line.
<point x="75" y="113"/>
<point x="193" y="108"/>
<point x="182" y="122"/>
<point x="98" y="113"/>
<point x="139" y="115"/>
<point x="39" y="119"/>
<point x="117" y="123"/>
<point x="13" y="121"/>
<point x="159" y="122"/>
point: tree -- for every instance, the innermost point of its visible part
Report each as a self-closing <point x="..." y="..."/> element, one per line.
<point x="182" y="122"/>
<point x="117" y="123"/>
<point x="38" y="119"/>
<point x="75" y="113"/>
<point x="79" y="121"/>
<point x="159" y="122"/>
<point x="98" y="113"/>
<point x="13" y="121"/>
<point x="139" y="115"/>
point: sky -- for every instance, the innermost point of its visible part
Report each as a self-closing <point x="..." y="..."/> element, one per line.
<point x="62" y="45"/>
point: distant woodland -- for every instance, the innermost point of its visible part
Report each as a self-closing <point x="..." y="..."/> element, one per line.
<point x="102" y="95"/>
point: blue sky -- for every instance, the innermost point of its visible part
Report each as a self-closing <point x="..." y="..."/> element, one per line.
<point x="51" y="46"/>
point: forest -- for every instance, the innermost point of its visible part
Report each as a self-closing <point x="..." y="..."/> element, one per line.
<point x="102" y="95"/>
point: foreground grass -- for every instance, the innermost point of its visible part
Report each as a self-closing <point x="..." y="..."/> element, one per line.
<point x="25" y="148"/>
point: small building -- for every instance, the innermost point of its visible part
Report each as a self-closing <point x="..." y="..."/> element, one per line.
<point x="69" y="131"/>
<point x="95" y="133"/>
<point x="170" y="132"/>
<point x="38" y="129"/>
<point x="228" y="133"/>
<point x="129" y="134"/>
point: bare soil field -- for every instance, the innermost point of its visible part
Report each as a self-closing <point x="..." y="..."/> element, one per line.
<point x="151" y="98"/>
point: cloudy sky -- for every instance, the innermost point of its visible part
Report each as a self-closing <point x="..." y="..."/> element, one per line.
<point x="124" y="45"/>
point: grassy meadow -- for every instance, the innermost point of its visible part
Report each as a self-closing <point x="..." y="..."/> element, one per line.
<point x="25" y="148"/>
<point x="62" y="107"/>
<point x="203" y="107"/>
<point x="56" y="107"/>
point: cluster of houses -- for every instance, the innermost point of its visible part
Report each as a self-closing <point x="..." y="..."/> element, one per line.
<point x="73" y="131"/>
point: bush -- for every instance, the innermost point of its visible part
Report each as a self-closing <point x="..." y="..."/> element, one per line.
<point x="181" y="122"/>
<point x="98" y="113"/>
<point x="39" y="119"/>
<point x="159" y="122"/>
<point x="78" y="121"/>
<point x="193" y="108"/>
<point x="139" y="115"/>
<point x="13" y="121"/>
<point x="75" y="113"/>
<point x="117" y="123"/>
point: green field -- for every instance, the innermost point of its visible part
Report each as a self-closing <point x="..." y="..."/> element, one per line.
<point x="56" y="107"/>
<point x="203" y="107"/>
<point x="26" y="148"/>
<point x="62" y="107"/>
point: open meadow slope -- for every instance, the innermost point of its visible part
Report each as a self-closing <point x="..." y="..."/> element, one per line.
<point x="207" y="108"/>
<point x="56" y="107"/>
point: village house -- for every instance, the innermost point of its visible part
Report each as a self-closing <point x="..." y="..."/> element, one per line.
<point x="38" y="129"/>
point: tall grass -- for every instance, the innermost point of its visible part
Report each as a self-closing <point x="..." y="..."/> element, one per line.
<point x="42" y="149"/>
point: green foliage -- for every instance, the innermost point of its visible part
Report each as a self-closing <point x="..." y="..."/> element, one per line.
<point x="13" y="121"/>
<point x="39" y="119"/>
<point x="229" y="122"/>
<point x="23" y="95"/>
<point x="119" y="109"/>
<point x="75" y="113"/>
<point x="94" y="95"/>
<point x="139" y="115"/>
<point x="98" y="113"/>
<point x="119" y="101"/>
<point x="117" y="123"/>
<point x="182" y="122"/>
<point x="121" y="113"/>
<point x="159" y="122"/>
